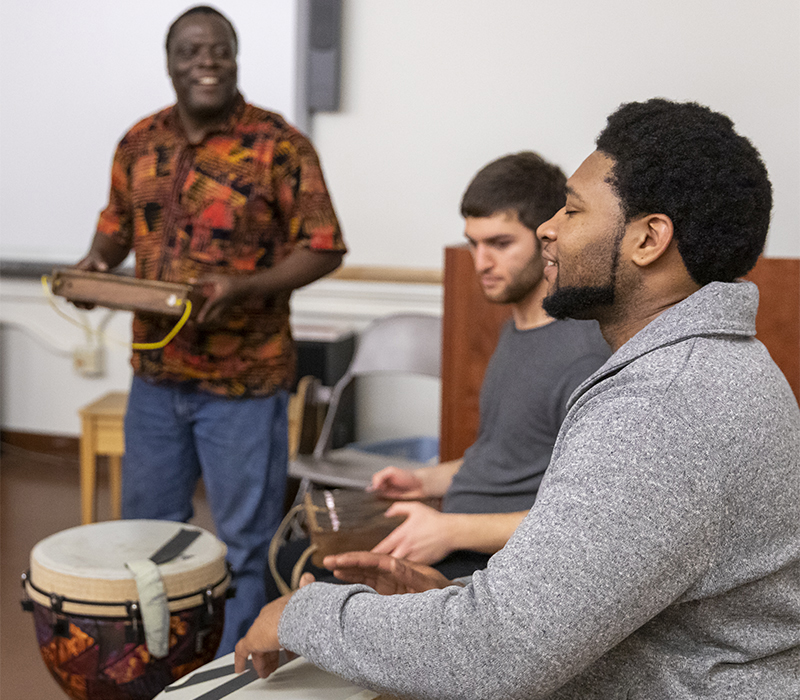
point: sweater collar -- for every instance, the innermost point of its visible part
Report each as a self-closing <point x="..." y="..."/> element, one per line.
<point x="717" y="308"/>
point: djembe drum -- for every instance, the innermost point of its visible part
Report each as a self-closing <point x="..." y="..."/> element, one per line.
<point x="124" y="608"/>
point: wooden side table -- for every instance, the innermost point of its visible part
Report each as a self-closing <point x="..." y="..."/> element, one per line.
<point x="102" y="434"/>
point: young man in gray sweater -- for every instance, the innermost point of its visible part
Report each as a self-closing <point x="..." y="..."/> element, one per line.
<point x="661" y="558"/>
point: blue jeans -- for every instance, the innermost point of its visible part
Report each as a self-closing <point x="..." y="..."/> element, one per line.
<point x="173" y="436"/>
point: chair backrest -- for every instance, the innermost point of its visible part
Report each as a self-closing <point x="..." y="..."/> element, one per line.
<point x="409" y="343"/>
<point x="406" y="343"/>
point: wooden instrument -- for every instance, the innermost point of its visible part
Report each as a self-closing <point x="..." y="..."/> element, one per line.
<point x="337" y="521"/>
<point x="340" y="520"/>
<point x="121" y="292"/>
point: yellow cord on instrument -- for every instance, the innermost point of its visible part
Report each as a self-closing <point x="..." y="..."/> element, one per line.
<point x="161" y="343"/>
<point x="136" y="346"/>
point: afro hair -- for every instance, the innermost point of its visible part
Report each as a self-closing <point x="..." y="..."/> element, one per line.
<point x="688" y="162"/>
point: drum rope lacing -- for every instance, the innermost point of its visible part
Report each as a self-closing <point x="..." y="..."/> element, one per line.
<point x="26" y="580"/>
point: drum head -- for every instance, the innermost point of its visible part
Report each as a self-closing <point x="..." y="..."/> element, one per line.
<point x="296" y="680"/>
<point x="87" y="563"/>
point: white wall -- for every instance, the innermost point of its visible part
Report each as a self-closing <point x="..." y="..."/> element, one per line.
<point x="39" y="390"/>
<point x="434" y="89"/>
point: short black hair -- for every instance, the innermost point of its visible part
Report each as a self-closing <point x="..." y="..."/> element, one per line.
<point x="521" y="183"/>
<point x="686" y="161"/>
<point x="202" y="10"/>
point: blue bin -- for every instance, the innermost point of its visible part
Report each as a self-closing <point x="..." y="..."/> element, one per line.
<point x="416" y="449"/>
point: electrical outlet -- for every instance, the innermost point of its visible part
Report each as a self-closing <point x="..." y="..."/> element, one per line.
<point x="89" y="361"/>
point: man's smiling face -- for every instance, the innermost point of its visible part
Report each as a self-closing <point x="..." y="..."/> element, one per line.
<point x="581" y="244"/>
<point x="201" y="60"/>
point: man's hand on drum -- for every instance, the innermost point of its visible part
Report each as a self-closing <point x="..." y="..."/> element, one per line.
<point x="261" y="641"/>
<point x="414" y="484"/>
<point x="93" y="262"/>
<point x="424" y="536"/>
<point x="396" y="483"/>
<point x="385" y="574"/>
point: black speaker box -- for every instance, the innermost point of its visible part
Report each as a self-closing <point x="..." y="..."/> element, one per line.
<point x="324" y="55"/>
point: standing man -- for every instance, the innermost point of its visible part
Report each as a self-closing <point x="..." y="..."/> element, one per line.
<point x="215" y="191"/>
<point x="662" y="556"/>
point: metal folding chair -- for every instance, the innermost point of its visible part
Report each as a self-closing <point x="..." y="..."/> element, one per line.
<point x="402" y="343"/>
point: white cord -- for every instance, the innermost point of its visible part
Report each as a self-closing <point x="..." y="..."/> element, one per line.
<point x="49" y="343"/>
<point x="94" y="336"/>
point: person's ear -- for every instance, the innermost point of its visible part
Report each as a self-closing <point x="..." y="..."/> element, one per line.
<point x="653" y="234"/>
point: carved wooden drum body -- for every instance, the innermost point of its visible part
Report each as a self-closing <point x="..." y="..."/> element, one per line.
<point x="106" y="630"/>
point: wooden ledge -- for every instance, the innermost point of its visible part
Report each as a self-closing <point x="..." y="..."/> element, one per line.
<point x="399" y="275"/>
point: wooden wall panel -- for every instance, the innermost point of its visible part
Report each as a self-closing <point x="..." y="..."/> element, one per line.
<point x="471" y="326"/>
<point x="470" y="329"/>
<point x="778" y="319"/>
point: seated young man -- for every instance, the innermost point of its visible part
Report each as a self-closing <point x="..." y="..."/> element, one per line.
<point x="537" y="364"/>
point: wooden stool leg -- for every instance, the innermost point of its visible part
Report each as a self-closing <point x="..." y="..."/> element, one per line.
<point x="115" y="484"/>
<point x="88" y="472"/>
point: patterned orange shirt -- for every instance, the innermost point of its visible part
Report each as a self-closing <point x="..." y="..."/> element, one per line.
<point x="237" y="203"/>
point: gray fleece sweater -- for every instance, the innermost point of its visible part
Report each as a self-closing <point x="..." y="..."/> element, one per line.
<point x="660" y="561"/>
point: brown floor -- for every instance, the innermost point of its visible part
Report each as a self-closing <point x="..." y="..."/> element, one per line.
<point x="39" y="496"/>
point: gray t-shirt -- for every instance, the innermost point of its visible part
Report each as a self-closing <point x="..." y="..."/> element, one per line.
<point x="523" y="403"/>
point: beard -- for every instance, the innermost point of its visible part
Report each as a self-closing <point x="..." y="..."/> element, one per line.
<point x="578" y="302"/>
<point x="516" y="291"/>
<point x="522" y="283"/>
<point x="587" y="302"/>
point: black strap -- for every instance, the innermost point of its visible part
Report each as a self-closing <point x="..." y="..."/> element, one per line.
<point x="209" y="675"/>
<point x="231" y="686"/>
<point x="175" y="546"/>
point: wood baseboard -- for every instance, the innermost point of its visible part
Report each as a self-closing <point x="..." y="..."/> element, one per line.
<point x="58" y="445"/>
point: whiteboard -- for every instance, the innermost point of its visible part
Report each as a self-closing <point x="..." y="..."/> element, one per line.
<point x="75" y="76"/>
